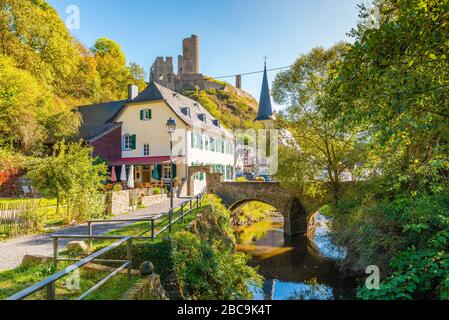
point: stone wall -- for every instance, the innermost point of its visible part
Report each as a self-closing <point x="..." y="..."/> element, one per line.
<point x="118" y="202"/>
<point x="148" y="201"/>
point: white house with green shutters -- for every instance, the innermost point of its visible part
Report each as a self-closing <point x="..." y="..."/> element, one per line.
<point x="199" y="140"/>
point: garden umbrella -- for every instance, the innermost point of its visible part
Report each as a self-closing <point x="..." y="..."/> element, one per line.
<point x="131" y="178"/>
<point x="123" y="174"/>
<point x="113" y="175"/>
<point x="156" y="172"/>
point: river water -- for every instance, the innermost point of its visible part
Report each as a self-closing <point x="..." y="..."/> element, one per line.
<point x="292" y="268"/>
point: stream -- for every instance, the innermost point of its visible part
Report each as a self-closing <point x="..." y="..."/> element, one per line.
<point x="292" y="268"/>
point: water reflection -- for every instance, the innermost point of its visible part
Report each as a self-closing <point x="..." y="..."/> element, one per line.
<point x="292" y="269"/>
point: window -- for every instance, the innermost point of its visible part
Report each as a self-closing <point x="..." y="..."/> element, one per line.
<point x="146" y="149"/>
<point x="166" y="173"/>
<point x="138" y="172"/>
<point x="186" y="111"/>
<point x="206" y="143"/>
<point x="145" y="114"/>
<point x="212" y="144"/>
<point x="129" y="142"/>
<point x="199" y="141"/>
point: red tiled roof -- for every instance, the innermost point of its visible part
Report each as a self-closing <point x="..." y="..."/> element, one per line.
<point x="143" y="161"/>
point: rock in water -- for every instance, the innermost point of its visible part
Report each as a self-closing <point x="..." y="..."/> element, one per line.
<point x="146" y="268"/>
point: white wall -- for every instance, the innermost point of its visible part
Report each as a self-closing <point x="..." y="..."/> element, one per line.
<point x="155" y="134"/>
<point x="152" y="131"/>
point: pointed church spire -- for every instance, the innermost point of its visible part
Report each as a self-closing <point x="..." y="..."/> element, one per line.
<point x="265" y="109"/>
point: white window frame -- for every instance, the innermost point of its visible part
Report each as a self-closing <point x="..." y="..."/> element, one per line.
<point x="166" y="172"/>
<point x="127" y="142"/>
<point x="145" y="147"/>
<point x="147" y="114"/>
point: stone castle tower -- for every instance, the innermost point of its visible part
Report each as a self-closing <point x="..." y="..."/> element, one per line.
<point x="189" y="76"/>
<point x="189" y="61"/>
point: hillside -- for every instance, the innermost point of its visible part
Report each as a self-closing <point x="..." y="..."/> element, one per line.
<point x="235" y="111"/>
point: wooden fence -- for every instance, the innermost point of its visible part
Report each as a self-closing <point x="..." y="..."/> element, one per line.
<point x="18" y="217"/>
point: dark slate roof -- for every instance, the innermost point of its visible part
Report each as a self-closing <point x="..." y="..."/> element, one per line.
<point x="97" y="119"/>
<point x="178" y="103"/>
<point x="265" y="109"/>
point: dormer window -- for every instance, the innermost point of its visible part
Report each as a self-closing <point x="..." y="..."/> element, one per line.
<point x="186" y="111"/>
<point x="216" y="123"/>
<point x="202" y="117"/>
<point x="145" y="114"/>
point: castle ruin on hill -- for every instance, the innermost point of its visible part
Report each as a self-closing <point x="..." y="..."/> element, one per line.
<point x="188" y="76"/>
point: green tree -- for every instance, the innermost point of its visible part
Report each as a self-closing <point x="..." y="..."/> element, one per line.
<point x="138" y="75"/>
<point x="314" y="155"/>
<point x="393" y="84"/>
<point x="29" y="112"/>
<point x="71" y="176"/>
<point x="111" y="67"/>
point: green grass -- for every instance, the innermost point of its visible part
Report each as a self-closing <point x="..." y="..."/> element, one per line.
<point x="44" y="202"/>
<point x="15" y="280"/>
<point x="138" y="229"/>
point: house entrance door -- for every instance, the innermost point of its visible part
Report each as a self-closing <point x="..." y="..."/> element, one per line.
<point x="146" y="174"/>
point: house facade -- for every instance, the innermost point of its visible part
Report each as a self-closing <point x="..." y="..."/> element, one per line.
<point x="133" y="132"/>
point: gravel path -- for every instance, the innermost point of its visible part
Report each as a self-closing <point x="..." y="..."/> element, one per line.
<point x="13" y="250"/>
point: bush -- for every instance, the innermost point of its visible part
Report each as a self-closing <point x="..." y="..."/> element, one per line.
<point x="204" y="261"/>
<point x="117" y="187"/>
<point x="209" y="271"/>
<point x="156" y="190"/>
<point x="406" y="237"/>
<point x="251" y="213"/>
<point x="71" y="176"/>
<point x="159" y="253"/>
<point x="241" y="179"/>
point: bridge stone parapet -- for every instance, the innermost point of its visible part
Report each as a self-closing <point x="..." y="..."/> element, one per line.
<point x="237" y="194"/>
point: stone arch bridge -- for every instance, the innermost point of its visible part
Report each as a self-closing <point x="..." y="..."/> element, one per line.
<point x="237" y="194"/>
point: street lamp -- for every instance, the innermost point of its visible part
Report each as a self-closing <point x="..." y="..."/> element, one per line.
<point x="171" y="127"/>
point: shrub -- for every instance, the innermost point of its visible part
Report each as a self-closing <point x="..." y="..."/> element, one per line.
<point x="241" y="179"/>
<point x="211" y="271"/>
<point x="159" y="253"/>
<point x="71" y="176"/>
<point x="156" y="190"/>
<point x="117" y="187"/>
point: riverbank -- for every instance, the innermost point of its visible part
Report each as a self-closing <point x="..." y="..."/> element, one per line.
<point x="291" y="267"/>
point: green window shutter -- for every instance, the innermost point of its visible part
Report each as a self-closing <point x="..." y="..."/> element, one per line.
<point x="174" y="170"/>
<point x="159" y="171"/>
<point x="141" y="114"/>
<point x="150" y="114"/>
<point x="193" y="140"/>
<point x="133" y="142"/>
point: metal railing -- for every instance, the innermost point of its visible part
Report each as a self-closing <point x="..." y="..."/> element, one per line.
<point x="50" y="283"/>
<point x="191" y="203"/>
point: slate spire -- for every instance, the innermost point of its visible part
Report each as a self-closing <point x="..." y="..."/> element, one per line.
<point x="265" y="109"/>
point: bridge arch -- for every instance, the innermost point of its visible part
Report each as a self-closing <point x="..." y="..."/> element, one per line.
<point x="236" y="194"/>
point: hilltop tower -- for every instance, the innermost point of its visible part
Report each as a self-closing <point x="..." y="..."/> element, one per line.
<point x="189" y="61"/>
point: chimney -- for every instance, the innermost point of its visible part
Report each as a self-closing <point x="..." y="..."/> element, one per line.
<point x="133" y="91"/>
<point x="238" y="82"/>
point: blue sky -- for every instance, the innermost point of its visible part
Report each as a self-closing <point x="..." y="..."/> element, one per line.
<point x="235" y="35"/>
